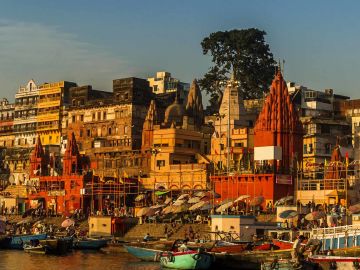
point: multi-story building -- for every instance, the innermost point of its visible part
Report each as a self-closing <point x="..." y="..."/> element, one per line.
<point x="109" y="128"/>
<point x="52" y="98"/>
<point x="6" y="123"/>
<point x="164" y="83"/>
<point x="25" y="119"/>
<point x="177" y="146"/>
<point x="323" y="123"/>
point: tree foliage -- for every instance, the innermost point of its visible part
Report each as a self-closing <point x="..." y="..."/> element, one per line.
<point x="243" y="52"/>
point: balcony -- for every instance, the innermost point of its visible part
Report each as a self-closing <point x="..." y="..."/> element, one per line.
<point x="187" y="167"/>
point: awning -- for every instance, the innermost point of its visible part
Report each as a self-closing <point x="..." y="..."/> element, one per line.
<point x="160" y="192"/>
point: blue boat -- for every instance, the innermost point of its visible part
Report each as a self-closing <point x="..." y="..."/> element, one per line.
<point x="89" y="243"/>
<point x="144" y="254"/>
<point x="18" y="241"/>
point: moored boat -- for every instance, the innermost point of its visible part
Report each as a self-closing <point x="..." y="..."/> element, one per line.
<point x="186" y="260"/>
<point x="282" y="244"/>
<point x="89" y="243"/>
<point x="5" y="241"/>
<point x="144" y="254"/>
<point x="39" y="249"/>
<point x="18" y="241"/>
<point x="57" y="246"/>
<point x="336" y="262"/>
<point x="228" y="247"/>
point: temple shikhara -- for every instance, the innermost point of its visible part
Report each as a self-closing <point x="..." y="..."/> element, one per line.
<point x="277" y="146"/>
<point x="65" y="147"/>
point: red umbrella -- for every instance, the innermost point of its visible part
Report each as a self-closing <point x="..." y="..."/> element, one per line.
<point x="257" y="201"/>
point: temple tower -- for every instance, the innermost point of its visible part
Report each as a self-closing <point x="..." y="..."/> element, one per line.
<point x="278" y="130"/>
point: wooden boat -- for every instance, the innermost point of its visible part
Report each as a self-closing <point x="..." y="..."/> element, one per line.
<point x="223" y="246"/>
<point x="282" y="244"/>
<point x="186" y="260"/>
<point x="5" y="241"/>
<point x="283" y="264"/>
<point x="89" y="243"/>
<point x="18" y="241"/>
<point x="39" y="249"/>
<point x="57" y="246"/>
<point x="336" y="262"/>
<point x="144" y="254"/>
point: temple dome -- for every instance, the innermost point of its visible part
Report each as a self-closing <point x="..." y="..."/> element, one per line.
<point x="174" y="113"/>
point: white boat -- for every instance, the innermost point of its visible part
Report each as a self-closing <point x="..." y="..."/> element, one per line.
<point x="336" y="262"/>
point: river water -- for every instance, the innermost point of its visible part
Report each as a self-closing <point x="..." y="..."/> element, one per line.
<point x="76" y="260"/>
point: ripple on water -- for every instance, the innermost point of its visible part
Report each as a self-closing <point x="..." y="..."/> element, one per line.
<point x="78" y="260"/>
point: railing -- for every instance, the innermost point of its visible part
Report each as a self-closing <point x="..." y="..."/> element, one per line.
<point x="322" y="184"/>
<point x="332" y="231"/>
<point x="188" y="167"/>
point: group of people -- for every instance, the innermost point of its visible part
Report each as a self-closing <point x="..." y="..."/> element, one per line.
<point x="301" y="244"/>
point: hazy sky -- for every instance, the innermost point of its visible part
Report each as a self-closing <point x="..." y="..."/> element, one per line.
<point x="94" y="42"/>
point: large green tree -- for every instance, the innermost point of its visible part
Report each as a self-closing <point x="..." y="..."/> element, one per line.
<point x="243" y="52"/>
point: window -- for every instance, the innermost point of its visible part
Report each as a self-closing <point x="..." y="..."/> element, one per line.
<point x="310" y="148"/>
<point x="99" y="116"/>
<point x="239" y="144"/>
<point x="73" y="119"/>
<point x="93" y="116"/>
<point x="109" y="131"/>
<point x="328" y="148"/>
<point x="305" y="149"/>
<point x="222" y="146"/>
<point x="88" y="133"/>
<point x="160" y="163"/>
<point x="81" y="133"/>
<point x="104" y="115"/>
<point x="155" y="88"/>
<point x="82" y="118"/>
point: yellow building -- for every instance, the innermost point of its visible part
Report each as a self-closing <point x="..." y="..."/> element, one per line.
<point x="52" y="98"/>
<point x="178" y="147"/>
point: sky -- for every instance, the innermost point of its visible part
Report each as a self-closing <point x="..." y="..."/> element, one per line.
<point x="94" y="42"/>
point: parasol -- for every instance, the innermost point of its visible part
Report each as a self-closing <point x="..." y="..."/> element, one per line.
<point x="198" y="205"/>
<point x="142" y="211"/>
<point x="179" y="208"/>
<point x="179" y="202"/>
<point x="168" y="200"/>
<point x="24" y="221"/>
<point x="288" y="214"/>
<point x="207" y="207"/>
<point x="157" y="206"/>
<point x="315" y="215"/>
<point x="194" y="200"/>
<point x="284" y="200"/>
<point x="183" y="197"/>
<point x="140" y="197"/>
<point x="67" y="223"/>
<point x="257" y="201"/>
<point x="224" y="207"/>
<point x="167" y="210"/>
<point x="354" y="208"/>
<point x="200" y="194"/>
<point x="226" y="201"/>
<point x="242" y="197"/>
<point x="151" y="212"/>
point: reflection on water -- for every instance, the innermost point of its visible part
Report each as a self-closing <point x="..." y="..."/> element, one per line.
<point x="78" y="260"/>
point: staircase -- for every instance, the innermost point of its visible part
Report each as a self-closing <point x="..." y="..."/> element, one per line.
<point x="158" y="231"/>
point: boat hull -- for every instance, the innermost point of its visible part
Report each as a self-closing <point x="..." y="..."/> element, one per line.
<point x="336" y="262"/>
<point x="18" y="241"/>
<point x="90" y="244"/>
<point x="186" y="260"/>
<point x="40" y="249"/>
<point x="144" y="254"/>
<point x="57" y="246"/>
